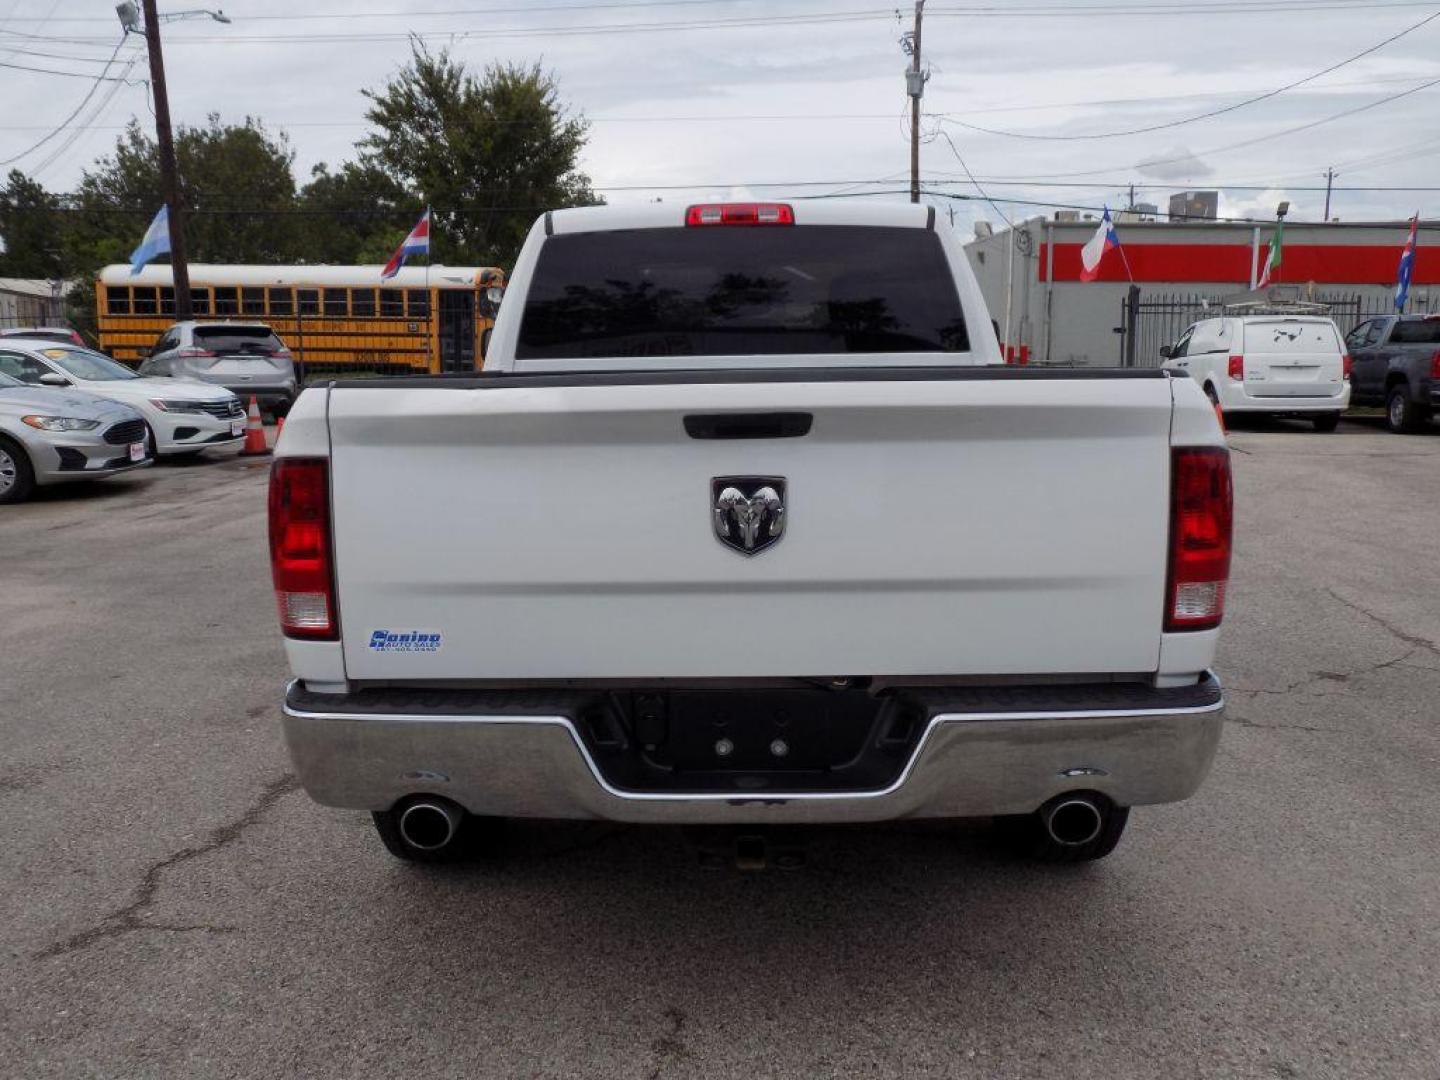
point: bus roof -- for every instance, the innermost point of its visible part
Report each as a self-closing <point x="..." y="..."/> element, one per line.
<point x="209" y="274"/>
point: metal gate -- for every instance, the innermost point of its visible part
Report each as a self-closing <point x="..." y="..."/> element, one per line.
<point x="1148" y="321"/>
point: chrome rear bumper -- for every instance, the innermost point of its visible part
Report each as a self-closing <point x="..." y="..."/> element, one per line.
<point x="966" y="764"/>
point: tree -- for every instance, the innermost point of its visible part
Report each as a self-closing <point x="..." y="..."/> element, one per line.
<point x="235" y="180"/>
<point x="491" y="154"/>
<point x="30" y="229"/>
<point x="356" y="214"/>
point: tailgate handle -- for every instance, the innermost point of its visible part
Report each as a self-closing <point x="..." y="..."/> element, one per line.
<point x="774" y="425"/>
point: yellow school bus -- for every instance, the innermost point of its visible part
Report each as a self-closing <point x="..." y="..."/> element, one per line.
<point x="333" y="318"/>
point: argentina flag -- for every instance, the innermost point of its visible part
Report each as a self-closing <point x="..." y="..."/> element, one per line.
<point x="155" y="242"/>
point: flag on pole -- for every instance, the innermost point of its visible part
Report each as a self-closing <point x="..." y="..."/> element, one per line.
<point x="416" y="243"/>
<point x="156" y="241"/>
<point x="1407" y="265"/>
<point x="1272" y="260"/>
<point x="1096" y="247"/>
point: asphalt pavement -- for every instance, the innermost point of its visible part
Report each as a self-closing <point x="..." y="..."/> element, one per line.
<point x="175" y="906"/>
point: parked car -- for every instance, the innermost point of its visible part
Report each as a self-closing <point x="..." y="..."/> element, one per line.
<point x="248" y="359"/>
<point x="46" y="333"/>
<point x="785" y="542"/>
<point x="48" y="436"/>
<point x="1276" y="365"/>
<point x="1396" y="363"/>
<point x="181" y="417"/>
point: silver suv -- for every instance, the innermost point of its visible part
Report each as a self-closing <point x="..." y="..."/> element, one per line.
<point x="245" y="358"/>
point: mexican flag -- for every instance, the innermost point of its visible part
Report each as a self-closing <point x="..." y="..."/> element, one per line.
<point x="1271" y="269"/>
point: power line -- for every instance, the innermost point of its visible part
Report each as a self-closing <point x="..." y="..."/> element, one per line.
<point x="102" y="77"/>
<point x="95" y="85"/>
<point x="453" y="34"/>
<point x="1204" y="115"/>
<point x="1195" y="155"/>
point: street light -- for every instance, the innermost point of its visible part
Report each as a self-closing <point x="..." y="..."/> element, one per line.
<point x="195" y="13"/>
<point x="1282" y="210"/>
<point x="129" y="14"/>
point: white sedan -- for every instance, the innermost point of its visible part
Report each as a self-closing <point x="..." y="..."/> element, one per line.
<point x="183" y="417"/>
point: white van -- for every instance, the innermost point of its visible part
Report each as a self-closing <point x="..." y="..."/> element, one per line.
<point x="1283" y="365"/>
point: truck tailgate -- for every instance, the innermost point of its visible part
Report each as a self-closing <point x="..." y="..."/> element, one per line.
<point x="934" y="526"/>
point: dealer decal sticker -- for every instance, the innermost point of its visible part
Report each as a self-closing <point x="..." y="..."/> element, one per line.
<point x="405" y="641"/>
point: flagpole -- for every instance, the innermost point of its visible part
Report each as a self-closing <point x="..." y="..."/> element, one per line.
<point x="429" y="300"/>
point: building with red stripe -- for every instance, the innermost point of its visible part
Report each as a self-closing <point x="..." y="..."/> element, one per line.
<point x="1033" y="274"/>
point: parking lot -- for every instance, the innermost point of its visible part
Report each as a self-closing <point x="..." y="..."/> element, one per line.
<point x="176" y="906"/>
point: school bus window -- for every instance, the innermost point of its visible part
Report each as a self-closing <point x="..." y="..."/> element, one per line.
<point x="144" y="303"/>
<point x="117" y="300"/>
<point x="252" y="301"/>
<point x="309" y="301"/>
<point x="167" y="301"/>
<point x="392" y="303"/>
<point x="280" y="303"/>
<point x="227" y="302"/>
<point x="200" y="301"/>
<point x="335" y="302"/>
<point x="362" y="302"/>
<point x="417" y="303"/>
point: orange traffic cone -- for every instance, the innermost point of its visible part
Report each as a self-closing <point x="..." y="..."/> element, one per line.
<point x="1220" y="415"/>
<point x="254" y="432"/>
<point x="279" y="427"/>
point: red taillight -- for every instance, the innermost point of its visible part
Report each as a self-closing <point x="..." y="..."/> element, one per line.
<point x="193" y="352"/>
<point x="740" y="214"/>
<point x="77" y="339"/>
<point x="1435" y="365"/>
<point x="1200" y="522"/>
<point x="1345" y="365"/>
<point x="300" y="559"/>
<point x="1237" y="368"/>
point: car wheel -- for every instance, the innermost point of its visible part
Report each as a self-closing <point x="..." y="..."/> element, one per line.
<point x="1326" y="421"/>
<point x="430" y="829"/>
<point x="17" y="478"/>
<point x="1401" y="414"/>
<point x="1071" y="828"/>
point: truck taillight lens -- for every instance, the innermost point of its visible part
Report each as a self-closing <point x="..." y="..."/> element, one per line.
<point x="300" y="550"/>
<point x="740" y="214"/>
<point x="1237" y="368"/>
<point x="1435" y="365"/>
<point x="1200" y="523"/>
<point x="1346" y="365"/>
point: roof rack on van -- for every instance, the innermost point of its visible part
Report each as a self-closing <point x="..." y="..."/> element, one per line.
<point x="1276" y="307"/>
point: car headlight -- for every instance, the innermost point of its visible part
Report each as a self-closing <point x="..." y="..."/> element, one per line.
<point x="60" y="423"/>
<point x="166" y="405"/>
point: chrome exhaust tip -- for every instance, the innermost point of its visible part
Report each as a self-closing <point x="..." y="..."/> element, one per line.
<point x="430" y="824"/>
<point x="1074" y="821"/>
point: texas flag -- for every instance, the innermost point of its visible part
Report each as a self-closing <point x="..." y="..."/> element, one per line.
<point x="1407" y="266"/>
<point x="417" y="243"/>
<point x="1096" y="247"/>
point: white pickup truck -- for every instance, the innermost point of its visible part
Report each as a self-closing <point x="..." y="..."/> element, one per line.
<point x="745" y="523"/>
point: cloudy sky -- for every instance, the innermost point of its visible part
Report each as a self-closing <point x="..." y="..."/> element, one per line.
<point x="725" y="96"/>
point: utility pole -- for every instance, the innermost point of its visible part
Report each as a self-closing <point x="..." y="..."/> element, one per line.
<point x="915" y="85"/>
<point x="1132" y="197"/>
<point x="169" y="176"/>
<point x="1329" y="180"/>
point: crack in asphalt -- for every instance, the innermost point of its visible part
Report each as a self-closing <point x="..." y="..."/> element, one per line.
<point x="1413" y="640"/>
<point x="668" y="1049"/>
<point x="1232" y="718"/>
<point x="129" y="919"/>
<point x="1327" y="676"/>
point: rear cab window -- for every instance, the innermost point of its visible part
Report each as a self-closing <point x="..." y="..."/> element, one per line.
<point x="1416" y="332"/>
<point x="737" y="291"/>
